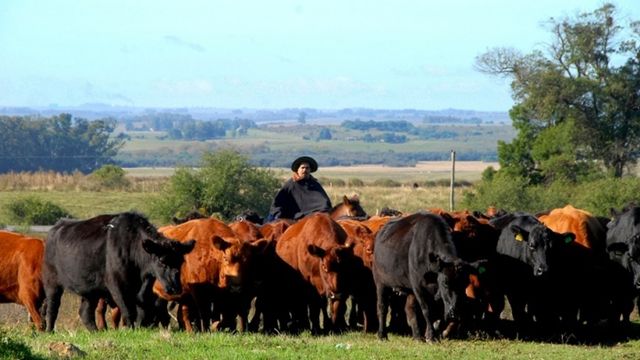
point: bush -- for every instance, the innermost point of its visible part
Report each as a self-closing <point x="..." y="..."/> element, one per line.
<point x="384" y="182"/>
<point x="110" y="177"/>
<point x="225" y="184"/>
<point x="505" y="192"/>
<point x="34" y="211"/>
<point x="355" y="182"/>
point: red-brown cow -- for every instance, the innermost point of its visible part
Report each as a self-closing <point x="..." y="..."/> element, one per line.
<point x="363" y="288"/>
<point x="273" y="230"/>
<point x="315" y="251"/>
<point x="20" y="273"/>
<point x="218" y="266"/>
<point x="587" y="228"/>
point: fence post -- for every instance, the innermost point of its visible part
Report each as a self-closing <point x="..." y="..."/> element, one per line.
<point x="453" y="180"/>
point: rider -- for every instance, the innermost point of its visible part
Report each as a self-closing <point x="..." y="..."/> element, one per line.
<point x="302" y="194"/>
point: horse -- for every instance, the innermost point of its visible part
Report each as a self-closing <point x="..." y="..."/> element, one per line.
<point x="349" y="207"/>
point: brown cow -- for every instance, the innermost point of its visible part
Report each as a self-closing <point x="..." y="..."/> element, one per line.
<point x="217" y="268"/>
<point x="363" y="289"/>
<point x="588" y="229"/>
<point x="315" y="252"/>
<point x="246" y="230"/>
<point x="275" y="229"/>
<point x="20" y="273"/>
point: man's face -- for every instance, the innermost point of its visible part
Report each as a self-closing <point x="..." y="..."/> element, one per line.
<point x="304" y="170"/>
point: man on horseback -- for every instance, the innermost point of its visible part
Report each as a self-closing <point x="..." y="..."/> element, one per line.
<point x="301" y="195"/>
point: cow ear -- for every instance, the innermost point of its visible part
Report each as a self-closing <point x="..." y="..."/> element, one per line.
<point x="316" y="251"/>
<point x="186" y="247"/>
<point x="519" y="234"/>
<point x="152" y="247"/>
<point x="219" y="243"/>
<point x="345" y="200"/>
<point x="261" y="245"/>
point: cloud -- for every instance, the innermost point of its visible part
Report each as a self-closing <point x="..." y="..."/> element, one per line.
<point x="182" y="43"/>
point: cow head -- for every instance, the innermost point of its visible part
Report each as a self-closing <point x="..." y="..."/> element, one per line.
<point x="333" y="268"/>
<point x="237" y="267"/>
<point x="167" y="258"/>
<point x="452" y="280"/>
<point x="538" y="244"/>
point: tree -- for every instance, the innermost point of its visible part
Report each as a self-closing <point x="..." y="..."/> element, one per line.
<point x="60" y="143"/>
<point x="325" y="134"/>
<point x="226" y="183"/>
<point x="587" y="81"/>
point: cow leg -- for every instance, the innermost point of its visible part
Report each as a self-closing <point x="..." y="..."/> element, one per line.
<point x="127" y="306"/>
<point x="314" y="315"/>
<point x="412" y="319"/>
<point x="382" y="294"/>
<point x="338" y="310"/>
<point x="88" y="312"/>
<point x="32" y="299"/>
<point x="101" y="311"/>
<point x="422" y="299"/>
<point x="54" y="295"/>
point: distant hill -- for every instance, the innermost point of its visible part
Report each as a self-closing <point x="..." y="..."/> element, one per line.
<point x="310" y="115"/>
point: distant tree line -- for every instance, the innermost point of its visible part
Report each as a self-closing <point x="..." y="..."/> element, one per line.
<point x="397" y="126"/>
<point x="185" y="127"/>
<point x="439" y="119"/>
<point x="59" y="143"/>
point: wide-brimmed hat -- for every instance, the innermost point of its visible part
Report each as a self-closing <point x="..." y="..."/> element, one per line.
<point x="302" y="159"/>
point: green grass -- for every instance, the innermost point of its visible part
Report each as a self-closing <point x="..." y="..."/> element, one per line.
<point x="83" y="204"/>
<point x="174" y="345"/>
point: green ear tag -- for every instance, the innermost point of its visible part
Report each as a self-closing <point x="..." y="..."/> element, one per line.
<point x="481" y="270"/>
<point x="568" y="239"/>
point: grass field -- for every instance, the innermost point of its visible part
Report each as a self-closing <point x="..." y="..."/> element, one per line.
<point x="19" y="342"/>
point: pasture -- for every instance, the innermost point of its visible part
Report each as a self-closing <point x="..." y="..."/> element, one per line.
<point x="18" y="340"/>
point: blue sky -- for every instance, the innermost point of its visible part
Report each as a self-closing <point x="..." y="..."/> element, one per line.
<point x="327" y="54"/>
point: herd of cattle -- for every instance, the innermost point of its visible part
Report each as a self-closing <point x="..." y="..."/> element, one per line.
<point x="430" y="274"/>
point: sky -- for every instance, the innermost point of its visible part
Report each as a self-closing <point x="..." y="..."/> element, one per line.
<point x="328" y="54"/>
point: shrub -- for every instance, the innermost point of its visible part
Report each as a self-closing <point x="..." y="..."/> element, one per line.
<point x="32" y="210"/>
<point x="506" y="192"/>
<point x="355" y="182"/>
<point x="384" y="182"/>
<point x="225" y="183"/>
<point x="110" y="177"/>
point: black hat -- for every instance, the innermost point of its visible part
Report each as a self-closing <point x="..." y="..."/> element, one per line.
<point x="302" y="159"/>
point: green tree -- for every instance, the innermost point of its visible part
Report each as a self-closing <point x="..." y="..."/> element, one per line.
<point x="587" y="80"/>
<point x="226" y="184"/>
<point x="60" y="143"/>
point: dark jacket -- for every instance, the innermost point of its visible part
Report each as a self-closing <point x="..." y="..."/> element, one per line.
<point x="297" y="199"/>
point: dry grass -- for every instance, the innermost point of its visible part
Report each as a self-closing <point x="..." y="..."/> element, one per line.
<point x="53" y="181"/>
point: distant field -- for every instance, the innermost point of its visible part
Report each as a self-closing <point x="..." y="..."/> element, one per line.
<point x="423" y="171"/>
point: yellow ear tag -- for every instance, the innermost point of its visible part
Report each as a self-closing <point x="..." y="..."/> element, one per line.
<point x="519" y="237"/>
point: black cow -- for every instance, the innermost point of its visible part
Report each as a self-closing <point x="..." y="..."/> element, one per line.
<point x="623" y="247"/>
<point x="525" y="249"/>
<point x="416" y="255"/>
<point x="117" y="257"/>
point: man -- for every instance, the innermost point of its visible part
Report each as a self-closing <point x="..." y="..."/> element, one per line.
<point x="302" y="194"/>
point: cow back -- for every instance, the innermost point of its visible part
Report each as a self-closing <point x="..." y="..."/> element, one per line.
<point x="587" y="229"/>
